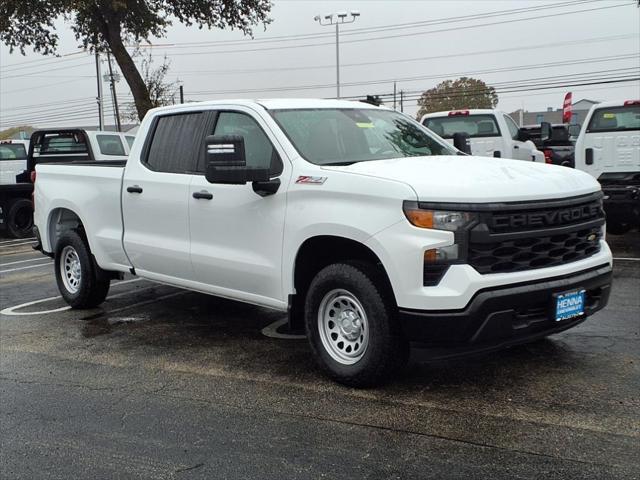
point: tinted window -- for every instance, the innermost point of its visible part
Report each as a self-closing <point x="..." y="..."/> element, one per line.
<point x="110" y="145"/>
<point x="474" y="125"/>
<point x="348" y="135"/>
<point x="177" y="143"/>
<point x="12" y="151"/>
<point x="61" y="143"/>
<point x="258" y="149"/>
<point x="615" y="119"/>
<point x="511" y="125"/>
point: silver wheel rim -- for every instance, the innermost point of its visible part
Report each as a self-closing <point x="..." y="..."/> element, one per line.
<point x="70" y="269"/>
<point x="343" y="326"/>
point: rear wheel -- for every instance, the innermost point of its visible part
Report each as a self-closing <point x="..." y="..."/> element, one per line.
<point x="350" y="321"/>
<point x="82" y="283"/>
<point x="20" y="218"/>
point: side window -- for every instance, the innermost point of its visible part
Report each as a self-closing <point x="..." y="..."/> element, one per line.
<point x="258" y="149"/>
<point x="511" y="125"/>
<point x="130" y="140"/>
<point x="177" y="142"/>
<point x="110" y="145"/>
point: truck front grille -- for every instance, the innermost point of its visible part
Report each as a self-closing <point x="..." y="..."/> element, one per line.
<point x="519" y="236"/>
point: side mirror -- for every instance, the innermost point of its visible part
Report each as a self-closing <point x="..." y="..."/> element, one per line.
<point x="574" y="130"/>
<point x="522" y="135"/>
<point x="226" y="162"/>
<point x="545" y="131"/>
<point x="461" y="142"/>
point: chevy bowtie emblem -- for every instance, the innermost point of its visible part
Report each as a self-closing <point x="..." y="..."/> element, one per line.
<point x="591" y="237"/>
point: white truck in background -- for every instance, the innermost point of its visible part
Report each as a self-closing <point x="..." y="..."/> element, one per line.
<point x="608" y="149"/>
<point x="491" y="133"/>
<point x="15" y="201"/>
<point x="369" y="230"/>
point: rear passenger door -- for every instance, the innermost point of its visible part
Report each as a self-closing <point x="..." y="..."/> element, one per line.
<point x="236" y="235"/>
<point x="155" y="197"/>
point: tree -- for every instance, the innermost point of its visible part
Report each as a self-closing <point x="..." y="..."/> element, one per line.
<point x="457" y="94"/>
<point x="109" y="25"/>
<point x="161" y="91"/>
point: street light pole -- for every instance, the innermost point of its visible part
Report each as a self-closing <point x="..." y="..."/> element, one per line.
<point x="337" y="19"/>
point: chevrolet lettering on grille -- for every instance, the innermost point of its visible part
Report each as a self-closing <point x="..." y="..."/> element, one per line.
<point x="546" y="219"/>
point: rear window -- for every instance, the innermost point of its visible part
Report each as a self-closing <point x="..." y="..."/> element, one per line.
<point x="59" y="144"/>
<point x="12" y="151"/>
<point x="474" y="125"/>
<point x="110" y="145"/>
<point x="615" y="119"/>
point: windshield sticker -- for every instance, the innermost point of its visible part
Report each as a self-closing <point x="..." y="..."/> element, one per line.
<point x="364" y="124"/>
<point x="609" y="115"/>
<point x="311" y="180"/>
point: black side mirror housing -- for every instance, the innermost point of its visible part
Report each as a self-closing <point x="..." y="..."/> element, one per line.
<point x="545" y="131"/>
<point x="522" y="135"/>
<point x="461" y="142"/>
<point x="226" y="162"/>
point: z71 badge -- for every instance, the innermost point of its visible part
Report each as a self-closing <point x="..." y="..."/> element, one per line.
<point x="311" y="180"/>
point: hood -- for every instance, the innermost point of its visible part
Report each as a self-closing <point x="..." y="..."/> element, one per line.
<point x="477" y="179"/>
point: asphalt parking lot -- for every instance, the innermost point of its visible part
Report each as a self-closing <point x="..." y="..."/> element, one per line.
<point x="163" y="383"/>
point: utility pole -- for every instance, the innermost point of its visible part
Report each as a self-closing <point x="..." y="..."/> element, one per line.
<point x="181" y="94"/>
<point x="337" y="19"/>
<point x="116" y="112"/>
<point x="99" y="97"/>
<point x="394" y="95"/>
<point x="402" y="100"/>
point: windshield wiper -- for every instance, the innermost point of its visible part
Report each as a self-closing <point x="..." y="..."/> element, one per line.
<point x="339" y="164"/>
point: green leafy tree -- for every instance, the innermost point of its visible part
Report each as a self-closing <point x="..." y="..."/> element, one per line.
<point x="457" y="94"/>
<point x="111" y="25"/>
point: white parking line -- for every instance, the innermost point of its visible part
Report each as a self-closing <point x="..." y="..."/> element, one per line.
<point x="26" y="268"/>
<point x="630" y="259"/>
<point x="16" y="240"/>
<point x="40" y="258"/>
<point x="12" y="310"/>
<point x="272" y="331"/>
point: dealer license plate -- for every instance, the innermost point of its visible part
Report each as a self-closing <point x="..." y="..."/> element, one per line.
<point x="569" y="305"/>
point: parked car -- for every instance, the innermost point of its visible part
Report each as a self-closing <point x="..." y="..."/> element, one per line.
<point x="15" y="202"/>
<point x="365" y="227"/>
<point x="556" y="142"/>
<point x="608" y="148"/>
<point x="491" y="133"/>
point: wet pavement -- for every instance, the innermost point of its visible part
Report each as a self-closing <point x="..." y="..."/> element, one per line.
<point x="163" y="383"/>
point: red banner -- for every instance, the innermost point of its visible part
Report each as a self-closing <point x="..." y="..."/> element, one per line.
<point x="566" y="108"/>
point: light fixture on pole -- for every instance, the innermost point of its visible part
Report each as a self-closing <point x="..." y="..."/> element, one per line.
<point x="337" y="19"/>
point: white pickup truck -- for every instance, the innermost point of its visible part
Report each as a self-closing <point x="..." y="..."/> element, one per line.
<point x="368" y="229"/>
<point x="491" y="133"/>
<point x="608" y="148"/>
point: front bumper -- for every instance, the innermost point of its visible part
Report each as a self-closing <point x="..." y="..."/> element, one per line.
<point x="504" y="316"/>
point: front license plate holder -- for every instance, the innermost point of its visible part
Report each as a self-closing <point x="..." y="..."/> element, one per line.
<point x="569" y="304"/>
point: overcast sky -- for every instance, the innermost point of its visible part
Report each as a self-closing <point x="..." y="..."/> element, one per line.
<point x="558" y="45"/>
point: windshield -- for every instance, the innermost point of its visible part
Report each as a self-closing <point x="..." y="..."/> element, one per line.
<point x="12" y="151"/>
<point x="473" y="125"/>
<point x="343" y="136"/>
<point x="615" y="119"/>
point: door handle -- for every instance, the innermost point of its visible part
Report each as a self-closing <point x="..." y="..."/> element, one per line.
<point x="203" y="195"/>
<point x="134" y="189"/>
<point x="516" y="147"/>
<point x="588" y="156"/>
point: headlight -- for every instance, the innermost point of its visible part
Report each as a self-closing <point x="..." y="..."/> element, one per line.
<point x="437" y="219"/>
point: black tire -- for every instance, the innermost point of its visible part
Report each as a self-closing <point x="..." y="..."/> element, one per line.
<point x="93" y="284"/>
<point x="618" y="228"/>
<point x="19" y="218"/>
<point x="386" y="349"/>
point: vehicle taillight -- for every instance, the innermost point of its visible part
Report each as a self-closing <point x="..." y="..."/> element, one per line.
<point x="548" y="154"/>
<point x="33" y="176"/>
<point x="457" y="113"/>
<point x="631" y="102"/>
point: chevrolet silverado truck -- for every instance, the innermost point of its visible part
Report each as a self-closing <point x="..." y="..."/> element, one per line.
<point x="608" y="148"/>
<point x="491" y="133"/>
<point x="370" y="231"/>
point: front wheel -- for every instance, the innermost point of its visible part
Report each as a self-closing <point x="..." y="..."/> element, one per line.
<point x="82" y="283"/>
<point x="350" y="322"/>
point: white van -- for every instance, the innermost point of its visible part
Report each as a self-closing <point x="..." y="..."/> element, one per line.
<point x="608" y="148"/>
<point x="492" y="133"/>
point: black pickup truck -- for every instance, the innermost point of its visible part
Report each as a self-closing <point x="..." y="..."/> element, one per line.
<point x="557" y="144"/>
